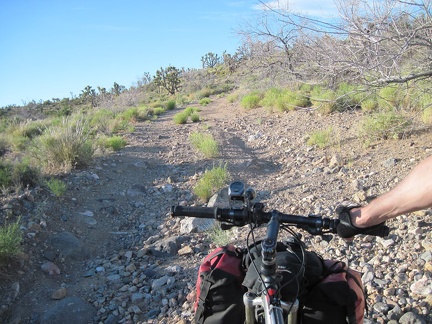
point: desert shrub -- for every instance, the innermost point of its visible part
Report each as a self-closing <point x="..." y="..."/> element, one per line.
<point x="24" y="173"/>
<point x="119" y="125"/>
<point x="10" y="240"/>
<point x="62" y="148"/>
<point x="101" y="120"/>
<point x="233" y="97"/>
<point x="4" y="146"/>
<point x="388" y="97"/>
<point x="383" y="125"/>
<point x="205" y="143"/>
<point x="20" y="134"/>
<point x="115" y="143"/>
<point x="212" y="181"/>
<point x="158" y="111"/>
<point x="195" y="117"/>
<point x="170" y="105"/>
<point x="129" y="114"/>
<point x="5" y="174"/>
<point x="191" y="110"/>
<point x="220" y="237"/>
<point x="426" y="115"/>
<point x="348" y="96"/>
<point x="57" y="187"/>
<point x="18" y="174"/>
<point x="204" y="101"/>
<point x="284" y="100"/>
<point x="203" y="93"/>
<point x="181" y="100"/>
<point x="324" y="100"/>
<point x="369" y="105"/>
<point x="181" y="118"/>
<point x="251" y="100"/>
<point x="143" y="114"/>
<point x="321" y="138"/>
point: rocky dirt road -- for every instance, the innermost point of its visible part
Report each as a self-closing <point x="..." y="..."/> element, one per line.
<point x="109" y="250"/>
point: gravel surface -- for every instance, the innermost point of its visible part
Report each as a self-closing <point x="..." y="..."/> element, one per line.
<point x="110" y="249"/>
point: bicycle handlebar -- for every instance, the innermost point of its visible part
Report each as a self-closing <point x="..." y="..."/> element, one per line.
<point x="240" y="217"/>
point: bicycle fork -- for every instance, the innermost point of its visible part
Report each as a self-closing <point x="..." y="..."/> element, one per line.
<point x="273" y="313"/>
<point x="271" y="305"/>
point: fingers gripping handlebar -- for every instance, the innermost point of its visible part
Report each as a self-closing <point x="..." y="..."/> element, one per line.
<point x="347" y="229"/>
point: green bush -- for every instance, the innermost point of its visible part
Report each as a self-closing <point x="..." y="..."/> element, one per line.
<point x="232" y="97"/>
<point x="10" y="240"/>
<point x="5" y="174"/>
<point x="64" y="147"/>
<point x="220" y="237"/>
<point x="101" y="121"/>
<point x="57" y="187"/>
<point x="204" y="101"/>
<point x="388" y="97"/>
<point x="212" y="181"/>
<point x="181" y="118"/>
<point x="284" y="100"/>
<point x="383" y="125"/>
<point x="251" y="101"/>
<point x="158" y="111"/>
<point x="115" y="143"/>
<point x="205" y="144"/>
<point x="143" y="114"/>
<point x="195" y="117"/>
<point x="321" y="138"/>
<point x="369" y="105"/>
<point x="324" y="101"/>
<point x="427" y="115"/>
<point x="129" y="114"/>
<point x="170" y="105"/>
<point x="18" y="173"/>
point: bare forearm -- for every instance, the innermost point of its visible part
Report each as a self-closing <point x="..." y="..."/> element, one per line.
<point x="411" y="194"/>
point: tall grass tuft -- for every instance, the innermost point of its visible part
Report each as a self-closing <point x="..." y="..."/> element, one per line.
<point x="383" y="125"/>
<point x="251" y="100"/>
<point x="321" y="138"/>
<point x="10" y="240"/>
<point x="211" y="181"/>
<point x="64" y="147"/>
<point x="56" y="186"/>
<point x="205" y="143"/>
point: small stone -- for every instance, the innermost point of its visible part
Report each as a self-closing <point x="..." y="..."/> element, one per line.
<point x="185" y="250"/>
<point x="59" y="294"/>
<point x="50" y="268"/>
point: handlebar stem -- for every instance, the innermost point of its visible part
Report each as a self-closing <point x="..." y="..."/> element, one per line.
<point x="268" y="252"/>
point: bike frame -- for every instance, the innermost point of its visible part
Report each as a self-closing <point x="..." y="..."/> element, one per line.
<point x="272" y="307"/>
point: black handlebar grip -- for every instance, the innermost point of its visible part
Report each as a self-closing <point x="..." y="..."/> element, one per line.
<point x="346" y="229"/>
<point x="381" y="231"/>
<point x="198" y="212"/>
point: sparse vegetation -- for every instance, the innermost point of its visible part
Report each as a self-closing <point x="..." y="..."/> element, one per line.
<point x="114" y="143"/>
<point x="64" y="147"/>
<point x="211" y="181"/>
<point x="384" y="125"/>
<point x="10" y="240"/>
<point x="251" y="101"/>
<point x="57" y="187"/>
<point x="321" y="138"/>
<point x="204" y="101"/>
<point x="205" y="143"/>
<point x="219" y="236"/>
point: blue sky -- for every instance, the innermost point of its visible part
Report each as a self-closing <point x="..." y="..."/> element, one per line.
<point x="49" y="49"/>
